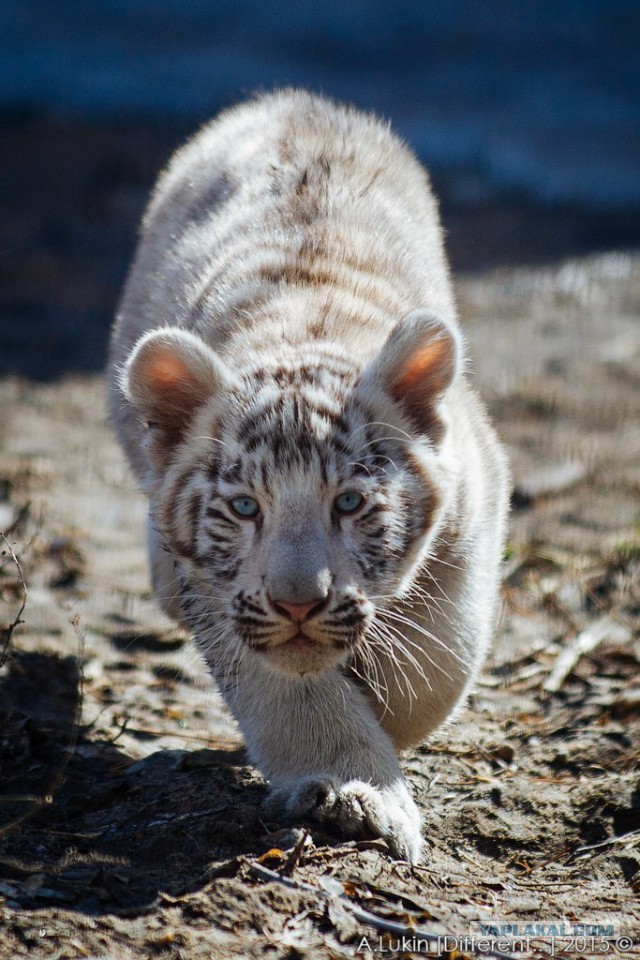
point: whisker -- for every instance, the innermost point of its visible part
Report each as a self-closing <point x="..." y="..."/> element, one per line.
<point x="389" y="646"/>
<point x="402" y="618"/>
<point x="382" y="423"/>
<point x="396" y="640"/>
<point x="223" y="443"/>
<point x="426" y="633"/>
<point x="369" y="651"/>
<point x="367" y="681"/>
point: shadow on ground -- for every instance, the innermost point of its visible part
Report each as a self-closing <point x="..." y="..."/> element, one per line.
<point x="87" y="827"/>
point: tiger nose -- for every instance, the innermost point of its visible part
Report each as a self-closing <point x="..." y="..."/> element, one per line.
<point x="297" y="611"/>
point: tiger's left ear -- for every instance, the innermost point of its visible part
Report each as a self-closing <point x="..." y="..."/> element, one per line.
<point x="416" y="366"/>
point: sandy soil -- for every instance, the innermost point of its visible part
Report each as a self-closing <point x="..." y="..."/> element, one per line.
<point x="130" y="823"/>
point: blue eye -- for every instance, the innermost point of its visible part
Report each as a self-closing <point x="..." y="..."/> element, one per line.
<point x="245" y="507"/>
<point x="348" y="502"/>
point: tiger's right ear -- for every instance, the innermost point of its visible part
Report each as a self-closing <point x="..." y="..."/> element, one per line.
<point x="169" y="374"/>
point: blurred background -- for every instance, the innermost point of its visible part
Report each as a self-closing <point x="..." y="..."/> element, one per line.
<point x="525" y="111"/>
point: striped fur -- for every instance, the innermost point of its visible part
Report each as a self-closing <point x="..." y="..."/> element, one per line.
<point x="288" y="334"/>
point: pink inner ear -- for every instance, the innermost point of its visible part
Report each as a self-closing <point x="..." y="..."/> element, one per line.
<point x="426" y="373"/>
<point x="164" y="371"/>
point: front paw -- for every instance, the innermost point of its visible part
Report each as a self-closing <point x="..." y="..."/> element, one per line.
<point x="357" y="808"/>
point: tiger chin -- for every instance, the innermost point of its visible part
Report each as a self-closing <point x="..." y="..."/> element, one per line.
<point x="327" y="497"/>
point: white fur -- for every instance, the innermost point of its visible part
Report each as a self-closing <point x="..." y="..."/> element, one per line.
<point x="276" y="185"/>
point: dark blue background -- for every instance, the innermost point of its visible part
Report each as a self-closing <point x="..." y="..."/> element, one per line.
<point x="540" y="95"/>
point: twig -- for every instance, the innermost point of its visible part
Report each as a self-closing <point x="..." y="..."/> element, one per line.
<point x="621" y="838"/>
<point x="26" y="798"/>
<point x="294" y="857"/>
<point x="58" y="776"/>
<point x="586" y="641"/>
<point x="20" y="516"/>
<point x="6" y="632"/>
<point x="214" y="743"/>
<point x="416" y="934"/>
<point x="23" y="514"/>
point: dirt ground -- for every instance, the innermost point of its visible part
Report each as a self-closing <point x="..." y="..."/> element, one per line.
<point x="130" y="822"/>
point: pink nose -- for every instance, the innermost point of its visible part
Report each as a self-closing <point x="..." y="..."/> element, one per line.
<point x="297" y="611"/>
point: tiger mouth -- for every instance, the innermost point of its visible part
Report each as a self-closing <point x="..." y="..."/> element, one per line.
<point x="299" y="641"/>
<point x="302" y="655"/>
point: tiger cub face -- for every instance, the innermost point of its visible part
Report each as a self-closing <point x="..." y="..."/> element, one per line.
<point x="300" y="493"/>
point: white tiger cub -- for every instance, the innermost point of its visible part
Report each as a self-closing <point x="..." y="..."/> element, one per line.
<point x="327" y="498"/>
